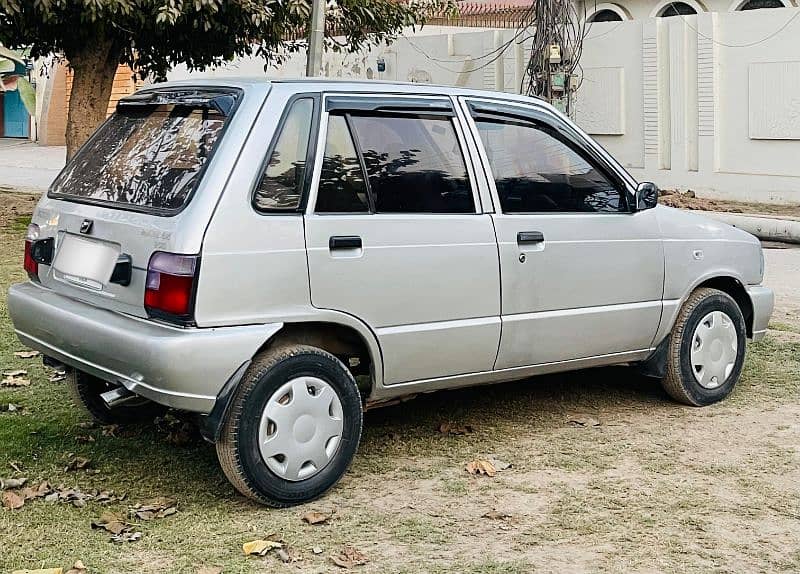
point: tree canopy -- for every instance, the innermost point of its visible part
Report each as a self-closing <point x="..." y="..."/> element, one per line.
<point x="152" y="36"/>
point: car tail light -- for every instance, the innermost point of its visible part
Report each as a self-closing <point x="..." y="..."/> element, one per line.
<point x="170" y="286"/>
<point x="30" y="264"/>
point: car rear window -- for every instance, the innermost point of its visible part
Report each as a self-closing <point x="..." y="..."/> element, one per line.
<point x="151" y="152"/>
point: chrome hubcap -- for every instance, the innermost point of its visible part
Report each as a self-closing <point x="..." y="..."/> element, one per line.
<point x="301" y="428"/>
<point x="714" y="350"/>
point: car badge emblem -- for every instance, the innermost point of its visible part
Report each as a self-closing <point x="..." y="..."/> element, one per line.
<point x="86" y="226"/>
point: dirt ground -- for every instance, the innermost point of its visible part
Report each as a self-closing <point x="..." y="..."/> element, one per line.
<point x="688" y="200"/>
<point x="606" y="474"/>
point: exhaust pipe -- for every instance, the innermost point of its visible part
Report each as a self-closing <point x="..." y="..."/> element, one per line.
<point x="117" y="396"/>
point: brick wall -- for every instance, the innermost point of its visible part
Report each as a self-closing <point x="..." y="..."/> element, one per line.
<point x="124" y="84"/>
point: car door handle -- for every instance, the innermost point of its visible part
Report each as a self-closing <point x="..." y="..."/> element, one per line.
<point x="530" y="237"/>
<point x="344" y="242"/>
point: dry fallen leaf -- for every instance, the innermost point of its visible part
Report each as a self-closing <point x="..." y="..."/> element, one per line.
<point x="349" y="557"/>
<point x="77" y="463"/>
<point x="57" y="377"/>
<point x="17" y="466"/>
<point x="209" y="570"/>
<point x="41" y="571"/>
<point x="499" y="464"/>
<point x="283" y="555"/>
<point x="15" y="382"/>
<point x="16" y="373"/>
<point x="126" y="537"/>
<point x="13" y="500"/>
<point x="583" y="420"/>
<point x="155" y="508"/>
<point x="496" y="515"/>
<point x="314" y="517"/>
<point x="479" y="466"/>
<point x="12" y="483"/>
<point x="111" y="522"/>
<point x="260" y="547"/>
<point x="26" y="354"/>
<point x="317" y="550"/>
<point x="455" y="429"/>
<point x="77" y="568"/>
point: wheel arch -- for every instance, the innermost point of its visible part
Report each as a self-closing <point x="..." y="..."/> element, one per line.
<point x="738" y="293"/>
<point x="340" y="334"/>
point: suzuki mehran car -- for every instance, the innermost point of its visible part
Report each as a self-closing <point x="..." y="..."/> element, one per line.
<point x="278" y="256"/>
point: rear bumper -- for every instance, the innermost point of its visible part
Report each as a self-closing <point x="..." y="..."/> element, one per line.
<point x="177" y="367"/>
<point x="763" y="300"/>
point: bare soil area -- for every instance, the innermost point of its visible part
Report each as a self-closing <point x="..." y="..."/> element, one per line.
<point x="688" y="200"/>
<point x="598" y="472"/>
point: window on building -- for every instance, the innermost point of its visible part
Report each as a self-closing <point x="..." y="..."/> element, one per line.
<point x="758" y="4"/>
<point x="414" y="164"/>
<point x="281" y="186"/>
<point x="535" y="170"/>
<point x="342" y="187"/>
<point x="605" y="15"/>
<point x="677" y="9"/>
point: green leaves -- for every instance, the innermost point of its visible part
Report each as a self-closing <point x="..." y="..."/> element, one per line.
<point x="27" y="93"/>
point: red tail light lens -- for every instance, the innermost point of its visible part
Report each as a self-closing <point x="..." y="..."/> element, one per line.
<point x="169" y="290"/>
<point x="29" y="262"/>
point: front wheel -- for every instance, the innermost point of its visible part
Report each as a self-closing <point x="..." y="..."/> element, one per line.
<point x="707" y="349"/>
<point x="292" y="428"/>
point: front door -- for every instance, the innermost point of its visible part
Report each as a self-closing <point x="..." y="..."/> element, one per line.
<point x="395" y="236"/>
<point x="16" y="121"/>
<point x="582" y="275"/>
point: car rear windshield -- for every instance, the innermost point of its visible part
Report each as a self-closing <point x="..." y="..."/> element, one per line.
<point x="150" y="154"/>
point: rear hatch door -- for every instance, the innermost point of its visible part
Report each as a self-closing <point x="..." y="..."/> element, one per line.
<point x="128" y="192"/>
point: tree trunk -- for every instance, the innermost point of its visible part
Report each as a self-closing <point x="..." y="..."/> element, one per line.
<point x="93" y="69"/>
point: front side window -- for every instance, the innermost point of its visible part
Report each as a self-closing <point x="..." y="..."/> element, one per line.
<point x="535" y="171"/>
<point x="414" y="164"/>
<point x="148" y="156"/>
<point x="281" y="186"/>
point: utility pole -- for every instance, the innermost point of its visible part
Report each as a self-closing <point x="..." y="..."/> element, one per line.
<point x="316" y="39"/>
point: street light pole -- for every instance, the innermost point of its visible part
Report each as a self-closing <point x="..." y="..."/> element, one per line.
<point x="316" y="39"/>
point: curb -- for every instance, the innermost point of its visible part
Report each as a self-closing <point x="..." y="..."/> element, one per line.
<point x="763" y="227"/>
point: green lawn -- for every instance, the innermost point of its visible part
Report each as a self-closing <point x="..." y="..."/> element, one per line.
<point x="655" y="487"/>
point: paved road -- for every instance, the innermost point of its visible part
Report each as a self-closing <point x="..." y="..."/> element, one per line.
<point x="27" y="166"/>
<point x="783" y="275"/>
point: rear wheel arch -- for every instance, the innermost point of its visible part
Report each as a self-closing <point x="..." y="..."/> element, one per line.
<point x="343" y="341"/>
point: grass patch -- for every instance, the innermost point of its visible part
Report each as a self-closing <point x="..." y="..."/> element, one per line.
<point x="657" y="486"/>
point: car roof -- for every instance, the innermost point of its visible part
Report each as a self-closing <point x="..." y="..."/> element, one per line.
<point x="350" y="85"/>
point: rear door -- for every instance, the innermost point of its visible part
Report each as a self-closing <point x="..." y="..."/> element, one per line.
<point x="582" y="274"/>
<point x="129" y="190"/>
<point x="395" y="235"/>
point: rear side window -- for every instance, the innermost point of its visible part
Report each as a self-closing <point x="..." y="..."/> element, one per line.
<point x="535" y="171"/>
<point x="147" y="157"/>
<point x="342" y="187"/>
<point x="281" y="186"/>
<point x="414" y="164"/>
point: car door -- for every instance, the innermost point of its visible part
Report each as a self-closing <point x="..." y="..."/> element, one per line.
<point x="582" y="274"/>
<point x="395" y="235"/>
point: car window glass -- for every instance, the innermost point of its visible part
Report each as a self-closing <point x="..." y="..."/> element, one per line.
<point x="342" y="188"/>
<point x="535" y="171"/>
<point x="414" y="164"/>
<point x="281" y="186"/>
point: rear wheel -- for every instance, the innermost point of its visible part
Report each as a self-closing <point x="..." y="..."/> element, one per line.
<point x="707" y="349"/>
<point x="86" y="390"/>
<point x="292" y="427"/>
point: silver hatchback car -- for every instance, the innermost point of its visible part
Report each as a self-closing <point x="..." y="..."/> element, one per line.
<point x="279" y="256"/>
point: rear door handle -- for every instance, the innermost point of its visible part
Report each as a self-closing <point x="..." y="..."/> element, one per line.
<point x="530" y="237"/>
<point x="344" y="242"/>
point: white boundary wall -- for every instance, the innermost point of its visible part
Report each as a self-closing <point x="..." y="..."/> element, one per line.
<point x="709" y="102"/>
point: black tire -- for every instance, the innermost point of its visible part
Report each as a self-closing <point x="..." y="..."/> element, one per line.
<point x="86" y="390"/>
<point x="238" y="448"/>
<point x="680" y="381"/>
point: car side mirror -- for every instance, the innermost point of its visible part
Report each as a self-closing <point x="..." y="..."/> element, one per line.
<point x="646" y="196"/>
